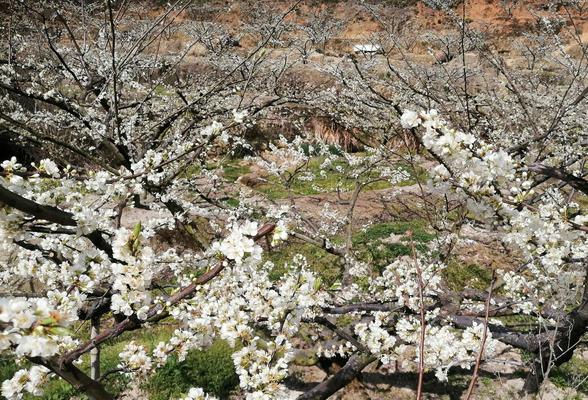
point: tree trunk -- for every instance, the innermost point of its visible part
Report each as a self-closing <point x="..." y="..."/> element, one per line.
<point x="75" y="377"/>
<point x="342" y="378"/>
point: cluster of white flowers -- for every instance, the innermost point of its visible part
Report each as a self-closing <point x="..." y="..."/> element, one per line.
<point x="280" y="233"/>
<point x="49" y="167"/>
<point x="376" y="337"/>
<point x="135" y="361"/>
<point x="444" y="346"/>
<point x="197" y="394"/>
<point x="286" y="156"/>
<point x="548" y="240"/>
<point x="581" y="220"/>
<point x="34" y="326"/>
<point x="399" y="282"/>
<point x="133" y="276"/>
<point x="30" y="381"/>
<point x="476" y="166"/>
<point x="262" y="365"/>
<point x="240" y="116"/>
<point x="250" y="301"/>
<point x="395" y="175"/>
<point x="495" y="188"/>
<point x="212" y="130"/>
<point x="12" y="165"/>
<point x="239" y="243"/>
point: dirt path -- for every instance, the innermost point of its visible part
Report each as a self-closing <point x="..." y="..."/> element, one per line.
<point x="371" y="206"/>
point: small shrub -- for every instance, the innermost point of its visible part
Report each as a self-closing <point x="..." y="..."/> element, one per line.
<point x="211" y="369"/>
<point x="232" y="172"/>
<point x="459" y="275"/>
<point x="571" y="374"/>
<point x="372" y="249"/>
<point x="326" y="265"/>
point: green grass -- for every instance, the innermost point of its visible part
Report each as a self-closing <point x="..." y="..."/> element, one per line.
<point x="384" y="230"/>
<point x="326" y="265"/>
<point x="162" y="90"/>
<point x="212" y="370"/>
<point x="582" y="202"/>
<point x="331" y="181"/>
<point x="232" y="202"/>
<point x="232" y="171"/>
<point x="572" y="374"/>
<point x="372" y="249"/>
<point x="458" y="276"/>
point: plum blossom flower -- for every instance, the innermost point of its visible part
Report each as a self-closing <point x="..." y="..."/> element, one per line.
<point x="11" y="165"/>
<point x="280" y="233"/>
<point x="36" y="346"/>
<point x="213" y="129"/>
<point x="240" y="116"/>
<point x="49" y="167"/>
<point x="410" y="119"/>
<point x="197" y="394"/>
<point x="135" y="361"/>
<point x="238" y="243"/>
<point x="13" y="388"/>
<point x="31" y="381"/>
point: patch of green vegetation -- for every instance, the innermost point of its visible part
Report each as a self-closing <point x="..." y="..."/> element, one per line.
<point x="417" y="174"/>
<point x="344" y="320"/>
<point x="232" y="171"/>
<point x="458" y="275"/>
<point x="582" y="202"/>
<point x="191" y="171"/>
<point x="523" y="323"/>
<point x="486" y="381"/>
<point x="211" y="369"/>
<point x="372" y="249"/>
<point x="572" y="374"/>
<point x="274" y="189"/>
<point x="305" y="358"/>
<point x="384" y="230"/>
<point x="161" y="90"/>
<point x="7" y="368"/>
<point x="330" y="180"/>
<point x="232" y="202"/>
<point x="326" y="265"/>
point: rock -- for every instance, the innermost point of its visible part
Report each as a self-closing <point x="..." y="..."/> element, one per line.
<point x="551" y="392"/>
<point x="251" y="180"/>
<point x="393" y="239"/>
<point x="506" y="360"/>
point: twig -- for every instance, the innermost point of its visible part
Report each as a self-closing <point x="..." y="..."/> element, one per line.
<point x="484" y="338"/>
<point x="422" y="318"/>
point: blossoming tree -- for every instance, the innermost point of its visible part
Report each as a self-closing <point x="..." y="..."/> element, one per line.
<point x="138" y="132"/>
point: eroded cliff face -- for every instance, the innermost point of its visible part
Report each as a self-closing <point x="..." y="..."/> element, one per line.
<point x="501" y="17"/>
<point x="342" y="24"/>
